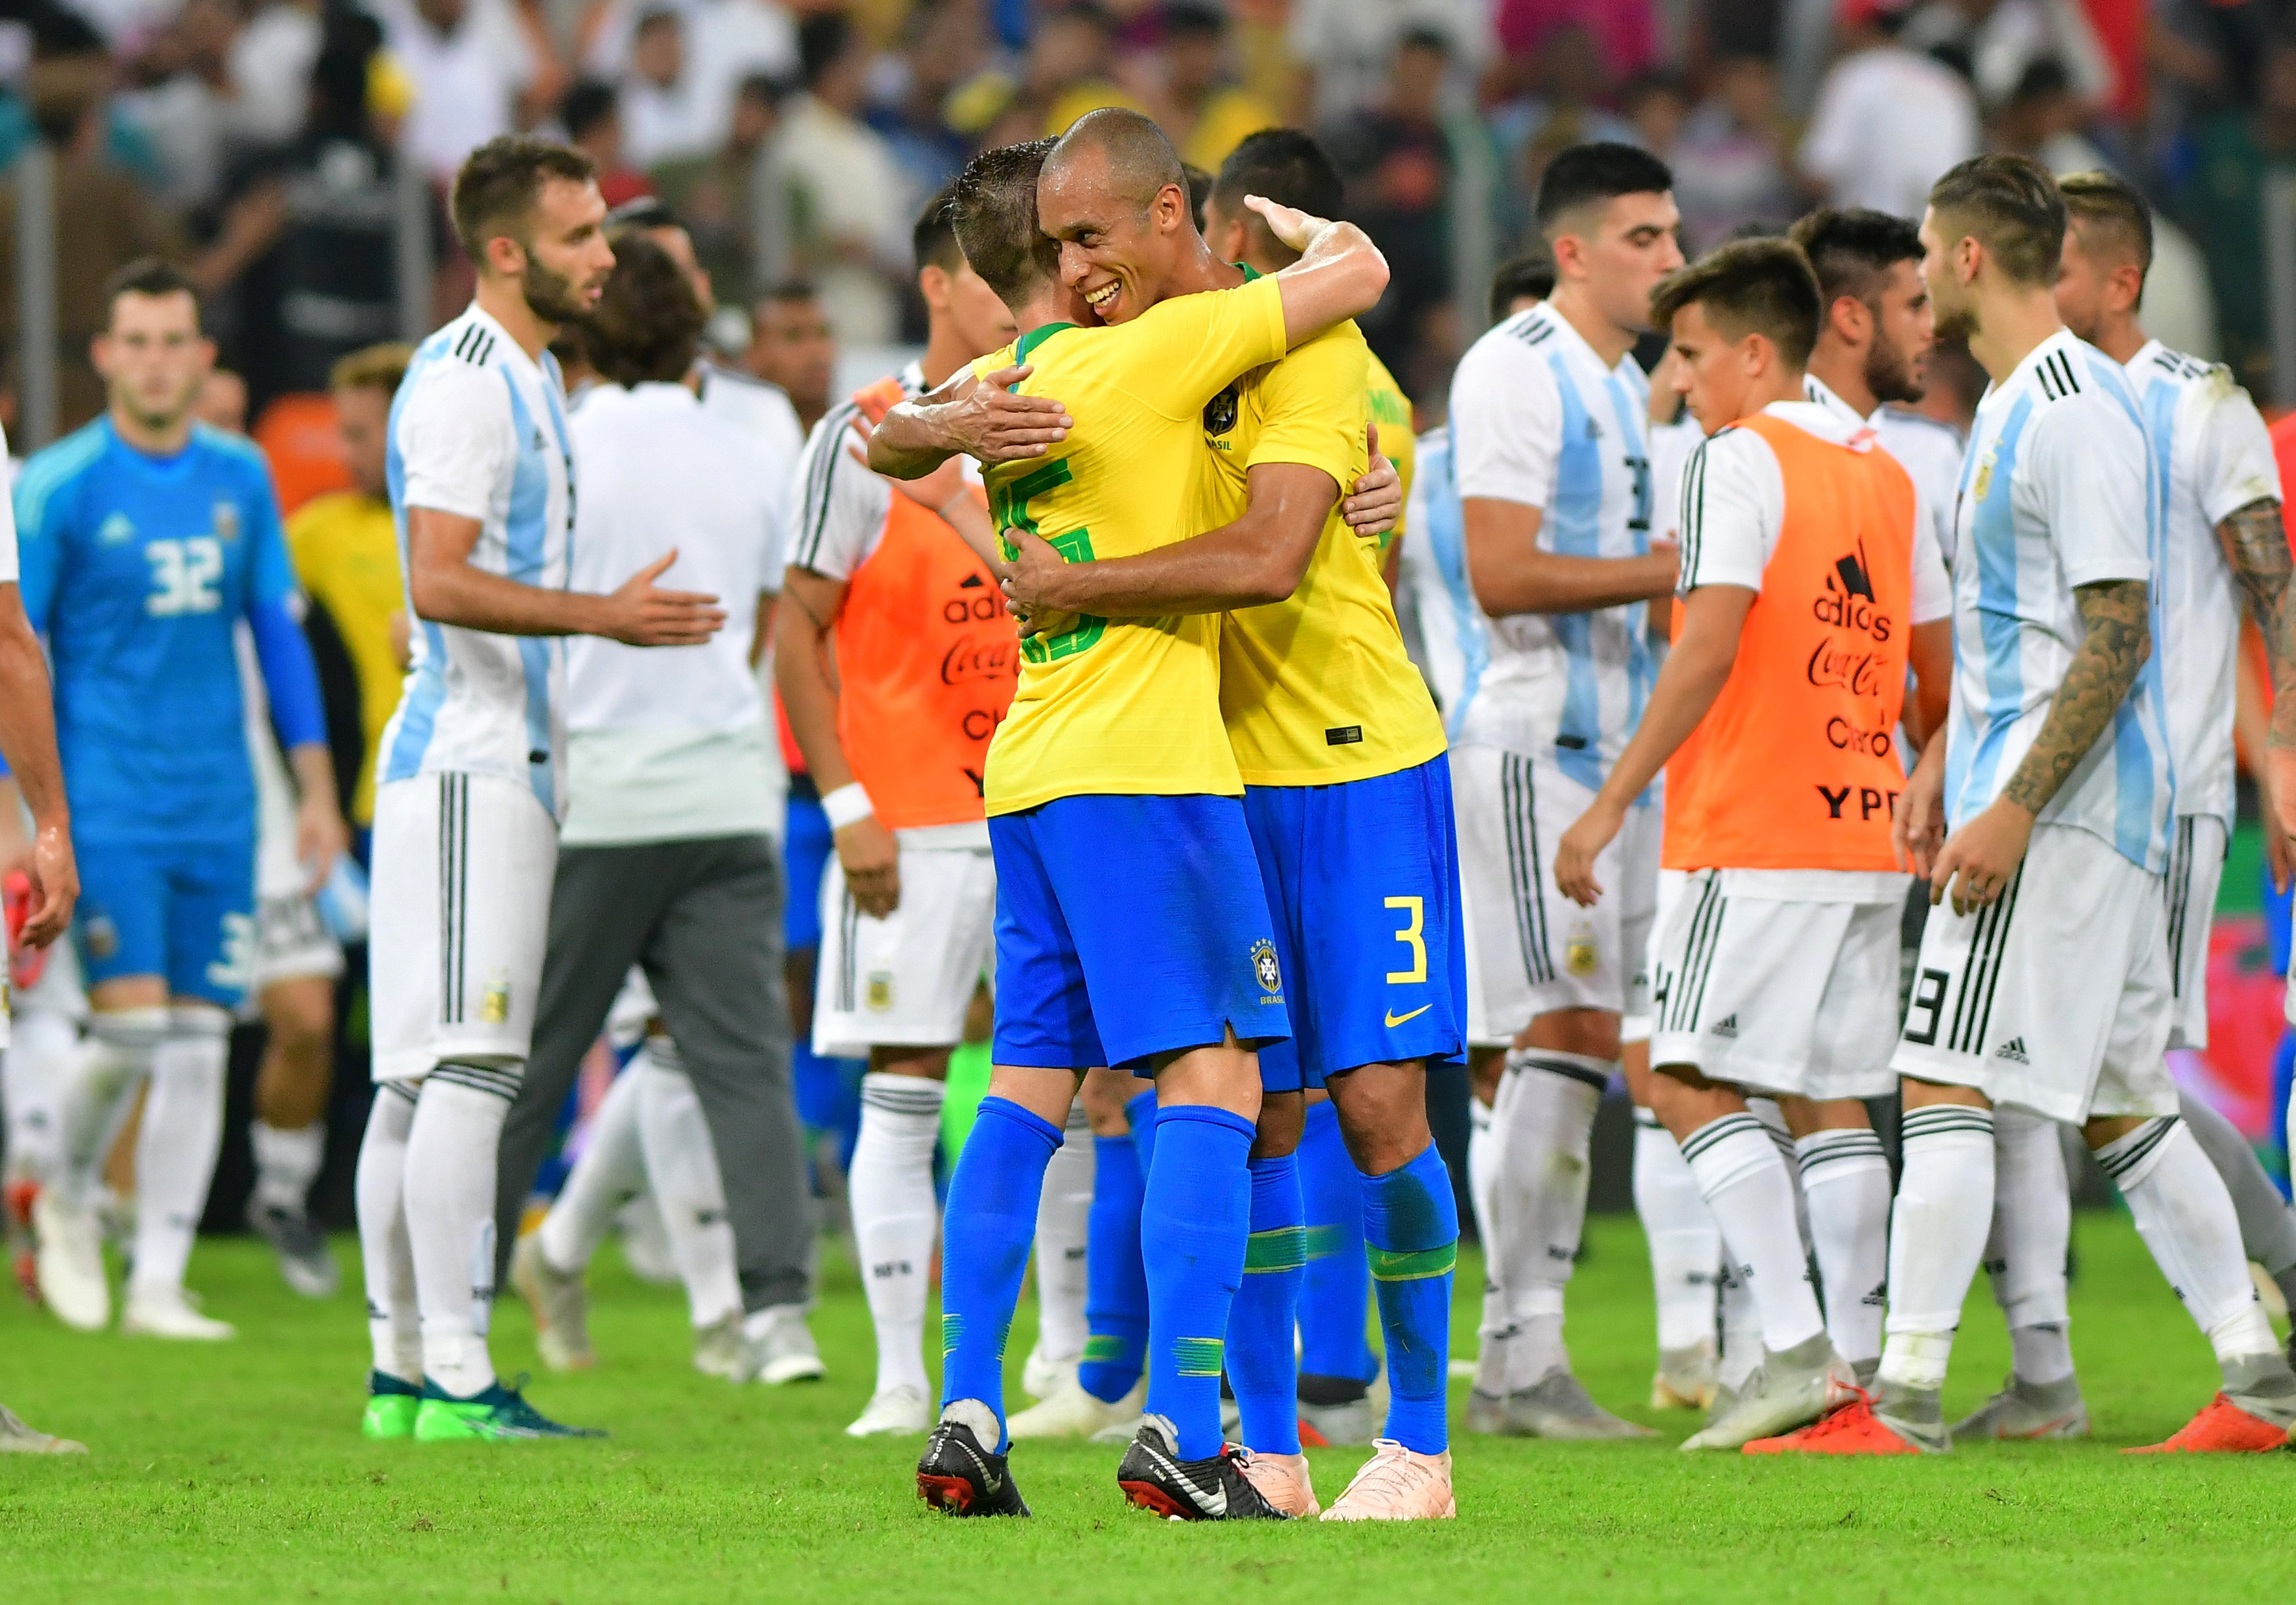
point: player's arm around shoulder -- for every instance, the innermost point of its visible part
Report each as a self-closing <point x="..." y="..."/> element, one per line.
<point x="976" y="412"/>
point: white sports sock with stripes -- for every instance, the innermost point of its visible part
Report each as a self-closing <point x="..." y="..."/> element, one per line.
<point x="394" y="1323"/>
<point x="2268" y="1226"/>
<point x="681" y="1165"/>
<point x="1845" y="1183"/>
<point x="1938" y="1229"/>
<point x="451" y="1147"/>
<point x="608" y="1172"/>
<point x="1494" y="1331"/>
<point x="1063" y="1213"/>
<point x="1741" y="1321"/>
<point x="2025" y="1254"/>
<point x="1544" y="1132"/>
<point x="891" y="1182"/>
<point x="34" y="1072"/>
<point x="1747" y="1185"/>
<point x="117" y="1057"/>
<point x="1685" y="1246"/>
<point x="1773" y="1122"/>
<point x="177" y="1146"/>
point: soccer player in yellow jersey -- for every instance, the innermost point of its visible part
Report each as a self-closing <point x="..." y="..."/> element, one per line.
<point x="1346" y="793"/>
<point x="1131" y="929"/>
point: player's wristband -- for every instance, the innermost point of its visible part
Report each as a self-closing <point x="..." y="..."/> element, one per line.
<point x="845" y="805"/>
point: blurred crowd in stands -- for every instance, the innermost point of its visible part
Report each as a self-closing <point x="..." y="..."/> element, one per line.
<point x="261" y="141"/>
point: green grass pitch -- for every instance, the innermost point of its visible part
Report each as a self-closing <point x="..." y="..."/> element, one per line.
<point x="236" y="1472"/>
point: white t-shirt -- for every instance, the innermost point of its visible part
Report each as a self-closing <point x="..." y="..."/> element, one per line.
<point x="1888" y="123"/>
<point x="1929" y="451"/>
<point x="2059" y="492"/>
<point x="2219" y="456"/>
<point x="669" y="743"/>
<point x="479" y="430"/>
<point x="1538" y="418"/>
<point x="764" y="412"/>
<point x="465" y="82"/>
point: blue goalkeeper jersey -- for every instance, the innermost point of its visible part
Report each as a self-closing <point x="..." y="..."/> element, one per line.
<point x="137" y="569"/>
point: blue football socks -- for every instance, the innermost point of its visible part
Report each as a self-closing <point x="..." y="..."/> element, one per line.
<point x="1260" y="1367"/>
<point x="1411" y="1227"/>
<point x="986" y="1234"/>
<point x="1194" y="1225"/>
<point x="1335" y="1294"/>
<point x="1116" y="1286"/>
<point x="1141" y="1111"/>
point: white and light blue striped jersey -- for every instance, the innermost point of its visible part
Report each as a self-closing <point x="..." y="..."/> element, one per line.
<point x="2060" y="490"/>
<point x="479" y="430"/>
<point x="2220" y="459"/>
<point x="1538" y="418"/>
<point x="1449" y="636"/>
<point x="1929" y="452"/>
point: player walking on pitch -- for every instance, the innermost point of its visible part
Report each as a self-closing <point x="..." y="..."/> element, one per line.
<point x="2043" y="819"/>
<point x="471" y="784"/>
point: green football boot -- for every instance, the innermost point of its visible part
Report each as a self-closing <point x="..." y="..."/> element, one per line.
<point x="499" y="1414"/>
<point x="390" y="1407"/>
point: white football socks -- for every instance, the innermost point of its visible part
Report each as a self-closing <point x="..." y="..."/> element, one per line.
<point x="610" y="1169"/>
<point x="286" y="1162"/>
<point x="2025" y="1254"/>
<point x="2268" y="1226"/>
<point x="1063" y="1217"/>
<point x="1492" y="1334"/>
<point x="2186" y="1218"/>
<point x="1746" y="1183"/>
<point x="121" y="1045"/>
<point x="34" y="1072"/>
<point x="891" y="1183"/>
<point x="451" y="1147"/>
<point x="1543" y="1130"/>
<point x="1937" y="1230"/>
<point x="1845" y="1183"/>
<point x="393" y="1321"/>
<point x="1741" y="1320"/>
<point x="681" y="1166"/>
<point x="1685" y="1246"/>
<point x="177" y="1146"/>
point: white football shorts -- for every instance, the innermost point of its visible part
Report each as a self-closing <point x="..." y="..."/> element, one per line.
<point x="2196" y="861"/>
<point x="905" y="980"/>
<point x="2055" y="998"/>
<point x="460" y="918"/>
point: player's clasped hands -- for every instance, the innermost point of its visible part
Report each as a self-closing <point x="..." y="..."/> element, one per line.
<point x="643" y="614"/>
<point x="1030" y="579"/>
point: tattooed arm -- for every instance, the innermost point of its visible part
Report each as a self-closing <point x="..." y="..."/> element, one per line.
<point x="2256" y="547"/>
<point x="2117" y="639"/>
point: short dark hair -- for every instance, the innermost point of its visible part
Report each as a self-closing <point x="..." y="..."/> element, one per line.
<point x="1285" y="165"/>
<point x="150" y="276"/>
<point x="823" y="39"/>
<point x="372" y="367"/>
<point x="647" y="324"/>
<point x="499" y="183"/>
<point x="1748" y="287"/>
<point x="2012" y="206"/>
<point x="1141" y="159"/>
<point x="588" y="103"/>
<point x="1530" y="274"/>
<point x="934" y="239"/>
<point x="641" y="213"/>
<point x="1603" y="172"/>
<point x="996" y="207"/>
<point x="2101" y="200"/>
<point x="1200" y="191"/>
<point x="1852" y="249"/>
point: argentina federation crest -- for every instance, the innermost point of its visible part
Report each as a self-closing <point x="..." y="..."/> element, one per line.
<point x="1265" y="969"/>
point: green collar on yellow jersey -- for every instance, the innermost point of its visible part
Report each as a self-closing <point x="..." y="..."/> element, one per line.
<point x="1036" y="337"/>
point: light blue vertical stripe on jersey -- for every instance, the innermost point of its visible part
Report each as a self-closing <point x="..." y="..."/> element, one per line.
<point x="1993" y="546"/>
<point x="1575" y="525"/>
<point x="1445" y="534"/>
<point x="527" y="532"/>
<point x="2140" y="776"/>
<point x="419" y="706"/>
<point x="1632" y="411"/>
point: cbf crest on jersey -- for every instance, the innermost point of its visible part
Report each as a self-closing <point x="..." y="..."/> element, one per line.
<point x="1265" y="968"/>
<point x="1220" y="412"/>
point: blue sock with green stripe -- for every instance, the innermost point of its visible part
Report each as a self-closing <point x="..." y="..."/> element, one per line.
<point x="1411" y="1230"/>
<point x="1335" y="1292"/>
<point x="1194" y="1225"/>
<point x="1116" y="1286"/>
<point x="985" y="1233"/>
<point x="1260" y="1368"/>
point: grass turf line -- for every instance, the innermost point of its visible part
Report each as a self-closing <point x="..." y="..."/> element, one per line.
<point x="235" y="1472"/>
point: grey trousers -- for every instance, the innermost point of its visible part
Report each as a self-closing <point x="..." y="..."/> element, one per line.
<point x="703" y="919"/>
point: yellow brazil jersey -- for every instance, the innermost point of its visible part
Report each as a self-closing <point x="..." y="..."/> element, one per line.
<point x="1315" y="689"/>
<point x="345" y="553"/>
<point x="1123" y="705"/>
<point x="1390" y="409"/>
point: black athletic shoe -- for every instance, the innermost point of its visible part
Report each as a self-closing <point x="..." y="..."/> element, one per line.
<point x="1155" y="1477"/>
<point x="956" y="1475"/>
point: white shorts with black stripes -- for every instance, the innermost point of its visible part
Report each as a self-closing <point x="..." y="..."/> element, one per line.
<point x="1792" y="995"/>
<point x="2196" y="861"/>
<point x="1531" y="950"/>
<point x="908" y="979"/>
<point x="2056" y="996"/>
<point x="459" y="919"/>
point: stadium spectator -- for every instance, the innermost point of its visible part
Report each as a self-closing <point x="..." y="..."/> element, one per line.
<point x="472" y="65"/>
<point x="1344" y="48"/>
<point x="670" y="110"/>
<point x="1889" y="119"/>
<point x="716" y="195"/>
<point x="942" y="49"/>
<point x="592" y="116"/>
<point x="793" y="345"/>
<point x="2236" y="154"/>
<point x="1396" y="159"/>
<point x="1995" y="44"/>
<point x="1729" y="163"/>
<point x="1205" y="114"/>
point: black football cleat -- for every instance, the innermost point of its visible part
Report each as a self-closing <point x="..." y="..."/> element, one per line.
<point x="956" y="1475"/>
<point x="1155" y="1477"/>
